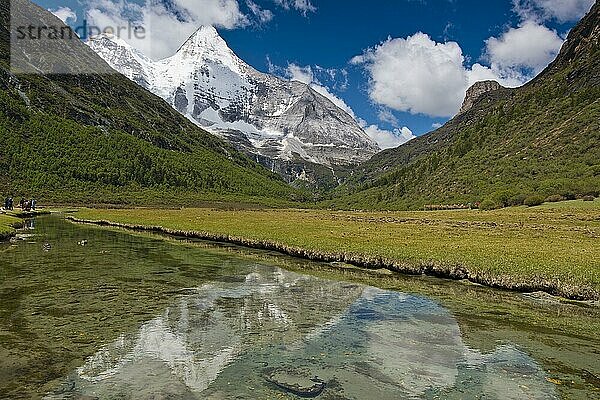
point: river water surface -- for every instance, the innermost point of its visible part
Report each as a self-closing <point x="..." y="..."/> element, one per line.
<point x="92" y="313"/>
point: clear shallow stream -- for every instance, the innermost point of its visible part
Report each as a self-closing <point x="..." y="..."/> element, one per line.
<point x="132" y="316"/>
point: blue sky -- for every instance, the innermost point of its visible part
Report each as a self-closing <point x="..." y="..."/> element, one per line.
<point x="393" y="64"/>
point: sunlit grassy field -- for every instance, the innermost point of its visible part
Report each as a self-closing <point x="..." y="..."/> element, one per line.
<point x="6" y="225"/>
<point x="556" y="245"/>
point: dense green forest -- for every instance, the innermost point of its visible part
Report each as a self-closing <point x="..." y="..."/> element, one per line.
<point x="57" y="159"/>
<point x="538" y="141"/>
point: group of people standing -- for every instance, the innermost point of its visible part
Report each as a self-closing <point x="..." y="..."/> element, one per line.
<point x="25" y="205"/>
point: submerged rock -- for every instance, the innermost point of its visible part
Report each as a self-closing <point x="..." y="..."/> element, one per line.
<point x="296" y="383"/>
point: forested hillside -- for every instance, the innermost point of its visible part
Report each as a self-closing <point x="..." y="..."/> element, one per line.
<point x="539" y="140"/>
<point x="101" y="138"/>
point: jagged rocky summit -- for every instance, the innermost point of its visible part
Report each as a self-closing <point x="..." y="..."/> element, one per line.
<point x="281" y="123"/>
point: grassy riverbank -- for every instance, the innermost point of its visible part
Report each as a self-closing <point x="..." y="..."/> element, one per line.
<point x="552" y="248"/>
<point x="7" y="226"/>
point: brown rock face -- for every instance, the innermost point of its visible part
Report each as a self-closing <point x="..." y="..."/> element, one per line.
<point x="475" y="92"/>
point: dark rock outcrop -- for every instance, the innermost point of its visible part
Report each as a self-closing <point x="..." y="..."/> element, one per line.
<point x="476" y="91"/>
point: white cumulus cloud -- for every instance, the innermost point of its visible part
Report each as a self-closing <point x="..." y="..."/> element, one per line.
<point x="416" y="75"/>
<point x="531" y="46"/>
<point x="507" y="78"/>
<point x="420" y="76"/>
<point x="65" y="14"/>
<point x="560" y="10"/>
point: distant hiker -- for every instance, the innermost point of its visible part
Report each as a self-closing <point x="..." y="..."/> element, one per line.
<point x="26" y="206"/>
<point x="33" y="204"/>
<point x="10" y="203"/>
<point x="22" y="203"/>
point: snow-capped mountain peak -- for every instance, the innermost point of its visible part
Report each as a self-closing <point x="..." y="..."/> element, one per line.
<point x="259" y="113"/>
<point x="207" y="45"/>
<point x="206" y="37"/>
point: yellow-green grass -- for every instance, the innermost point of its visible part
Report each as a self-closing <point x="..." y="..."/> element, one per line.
<point x="573" y="204"/>
<point x="556" y="249"/>
<point x="7" y="224"/>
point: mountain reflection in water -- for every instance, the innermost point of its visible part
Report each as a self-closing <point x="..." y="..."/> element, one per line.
<point x="223" y="339"/>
